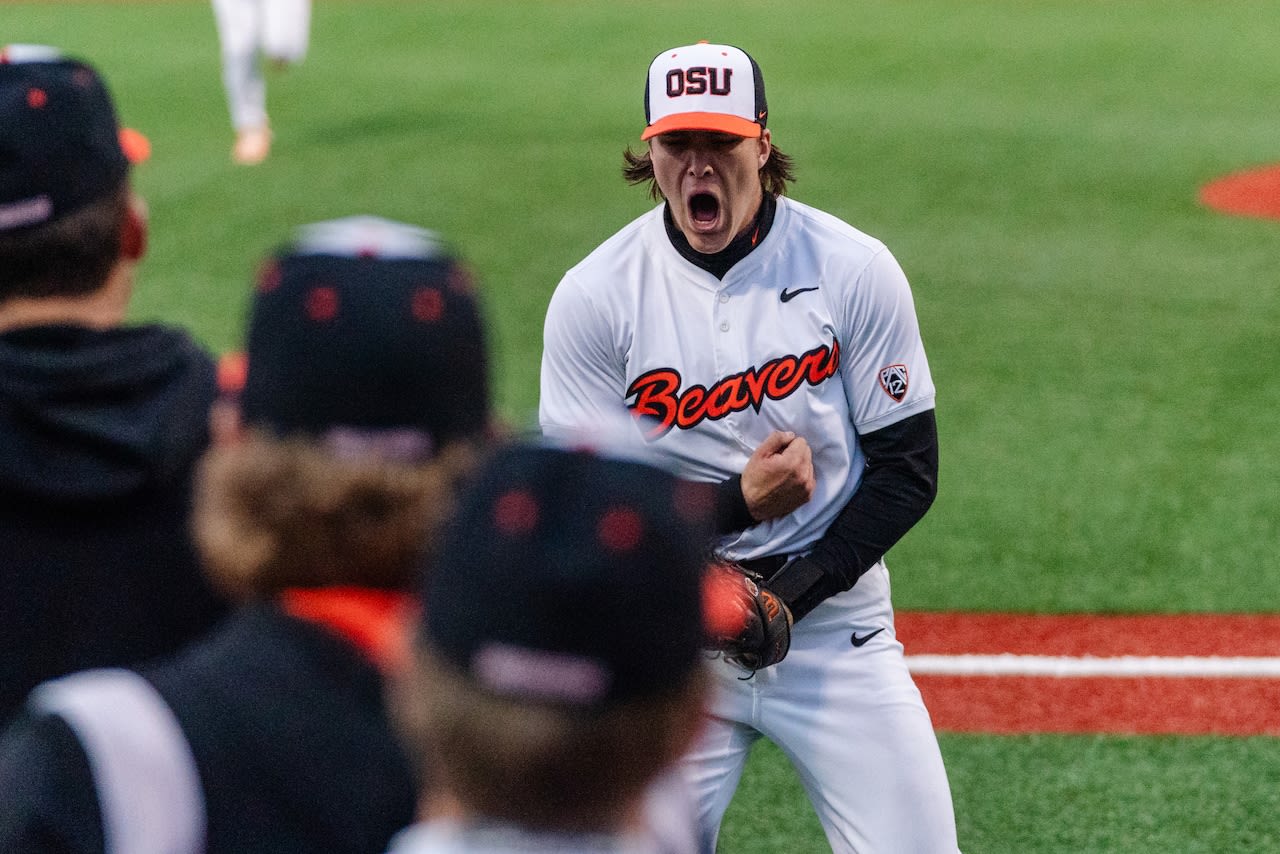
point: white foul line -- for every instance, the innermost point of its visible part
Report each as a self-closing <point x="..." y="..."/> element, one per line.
<point x="1124" y="665"/>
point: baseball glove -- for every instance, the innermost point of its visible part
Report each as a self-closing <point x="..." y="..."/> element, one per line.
<point x="759" y="635"/>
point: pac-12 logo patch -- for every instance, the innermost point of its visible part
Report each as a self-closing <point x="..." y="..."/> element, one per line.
<point x="893" y="380"/>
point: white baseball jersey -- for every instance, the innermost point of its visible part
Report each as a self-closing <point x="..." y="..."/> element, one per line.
<point x="814" y="331"/>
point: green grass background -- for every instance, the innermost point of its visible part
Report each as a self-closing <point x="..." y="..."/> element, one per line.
<point x="1105" y="348"/>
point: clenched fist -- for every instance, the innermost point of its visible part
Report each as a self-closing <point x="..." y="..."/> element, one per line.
<point x="779" y="476"/>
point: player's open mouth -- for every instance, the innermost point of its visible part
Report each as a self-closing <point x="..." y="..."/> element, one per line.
<point x="704" y="209"/>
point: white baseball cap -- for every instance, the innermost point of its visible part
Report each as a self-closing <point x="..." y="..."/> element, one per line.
<point x="703" y="86"/>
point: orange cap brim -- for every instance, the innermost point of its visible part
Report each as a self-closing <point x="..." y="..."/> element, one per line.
<point x="136" y="147"/>
<point x="715" y="122"/>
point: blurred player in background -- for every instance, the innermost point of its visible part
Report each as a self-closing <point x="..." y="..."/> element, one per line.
<point x="364" y="405"/>
<point x="559" y="672"/>
<point x="101" y="423"/>
<point x="721" y="318"/>
<point x="252" y="33"/>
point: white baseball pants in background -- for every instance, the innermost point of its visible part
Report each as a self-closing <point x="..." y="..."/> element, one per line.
<point x="250" y="31"/>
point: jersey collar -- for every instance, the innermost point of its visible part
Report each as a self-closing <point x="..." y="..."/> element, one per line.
<point x="719" y="263"/>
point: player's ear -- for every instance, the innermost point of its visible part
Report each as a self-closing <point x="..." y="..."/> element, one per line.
<point x="226" y="422"/>
<point x="134" y="229"/>
<point x="226" y="427"/>
<point x="766" y="147"/>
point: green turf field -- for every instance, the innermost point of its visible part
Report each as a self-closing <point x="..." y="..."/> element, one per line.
<point x="1104" y="347"/>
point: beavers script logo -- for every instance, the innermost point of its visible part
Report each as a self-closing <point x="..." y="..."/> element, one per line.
<point x="658" y="394"/>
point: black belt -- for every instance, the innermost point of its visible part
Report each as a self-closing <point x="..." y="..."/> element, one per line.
<point x="765" y="567"/>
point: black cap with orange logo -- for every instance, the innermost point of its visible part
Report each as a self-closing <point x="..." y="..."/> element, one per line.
<point x="366" y="333"/>
<point x="60" y="144"/>
<point x="572" y="579"/>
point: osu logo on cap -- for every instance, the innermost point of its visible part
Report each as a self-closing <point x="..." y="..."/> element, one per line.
<point x="698" y="80"/>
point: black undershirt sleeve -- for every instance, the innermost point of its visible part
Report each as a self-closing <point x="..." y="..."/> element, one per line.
<point x="731" y="507"/>
<point x="898" y="487"/>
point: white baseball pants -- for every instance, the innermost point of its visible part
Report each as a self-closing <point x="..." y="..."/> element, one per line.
<point x="248" y="31"/>
<point x="851" y="721"/>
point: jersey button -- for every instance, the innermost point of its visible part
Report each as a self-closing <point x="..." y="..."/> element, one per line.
<point x="724" y="327"/>
<point x="724" y="298"/>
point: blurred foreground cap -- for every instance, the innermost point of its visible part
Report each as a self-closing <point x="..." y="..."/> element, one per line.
<point x="60" y="144"/>
<point x="367" y="327"/>
<point x="571" y="578"/>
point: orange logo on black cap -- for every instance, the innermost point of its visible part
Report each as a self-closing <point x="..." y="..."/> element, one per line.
<point x="427" y="305"/>
<point x="322" y="303"/>
<point x="516" y="513"/>
<point x="620" y="529"/>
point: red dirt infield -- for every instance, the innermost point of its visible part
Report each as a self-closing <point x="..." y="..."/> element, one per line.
<point x="1155" y="670"/>
<point x="1253" y="193"/>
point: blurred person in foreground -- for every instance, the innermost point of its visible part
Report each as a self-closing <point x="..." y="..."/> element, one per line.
<point x="363" y="405"/>
<point x="559" y="672"/>
<point x="101" y="423"/>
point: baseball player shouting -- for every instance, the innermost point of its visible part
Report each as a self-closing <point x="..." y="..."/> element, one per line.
<point x="746" y="332"/>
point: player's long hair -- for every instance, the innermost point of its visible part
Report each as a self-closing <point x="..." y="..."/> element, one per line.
<point x="538" y="765"/>
<point x="775" y="175"/>
<point x="271" y="514"/>
<point x="68" y="257"/>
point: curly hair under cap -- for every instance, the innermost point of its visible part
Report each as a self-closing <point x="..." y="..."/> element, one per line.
<point x="270" y="514"/>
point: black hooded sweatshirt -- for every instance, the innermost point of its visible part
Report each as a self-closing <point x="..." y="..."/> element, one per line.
<point x="99" y="434"/>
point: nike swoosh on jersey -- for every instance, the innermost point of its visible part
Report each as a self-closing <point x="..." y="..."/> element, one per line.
<point x="859" y="641"/>
<point x="787" y="296"/>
